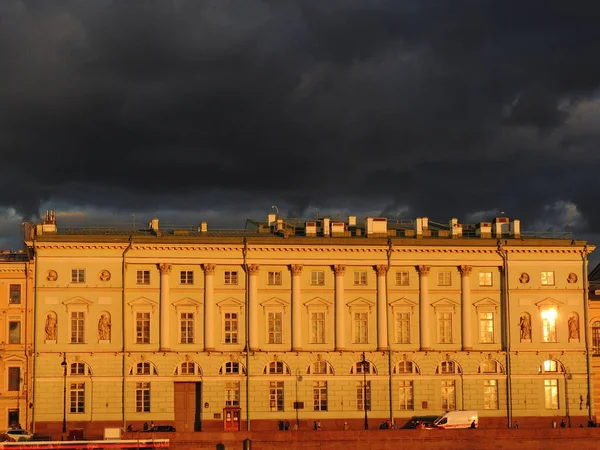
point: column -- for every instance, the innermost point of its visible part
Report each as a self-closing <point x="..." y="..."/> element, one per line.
<point x="253" y="319"/>
<point x="424" y="307"/>
<point x="209" y="307"/>
<point x="165" y="270"/>
<point x="296" y="308"/>
<point x="340" y="326"/>
<point x="382" y="322"/>
<point x="465" y="300"/>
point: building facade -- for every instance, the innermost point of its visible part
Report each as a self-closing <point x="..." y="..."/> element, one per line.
<point x="302" y="322"/>
<point x="16" y="347"/>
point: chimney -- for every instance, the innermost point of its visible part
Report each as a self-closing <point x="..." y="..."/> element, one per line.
<point x="455" y="228"/>
<point x="203" y="228"/>
<point x="515" y="228"/>
<point x="484" y="230"/>
<point x="351" y="221"/>
<point x="425" y="222"/>
<point x="501" y="226"/>
<point x="419" y="227"/>
<point x="326" y="230"/>
<point x="279" y="224"/>
<point x="338" y="229"/>
<point x="153" y="225"/>
<point x="271" y="219"/>
<point x="310" y="228"/>
<point x="376" y="227"/>
<point x="49" y="225"/>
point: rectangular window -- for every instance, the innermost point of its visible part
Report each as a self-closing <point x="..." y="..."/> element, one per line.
<point x="14" y="294"/>
<point x="549" y="325"/>
<point x="78" y="276"/>
<point x="187" y="328"/>
<point x="320" y="396"/>
<point x="77" y="327"/>
<point x="14" y="378"/>
<point x="143" y="277"/>
<point x="361" y="390"/>
<point x="317" y="278"/>
<point x="448" y="396"/>
<point x="406" y="395"/>
<point x="276" y="395"/>
<point x="444" y="278"/>
<point x="77" y="398"/>
<point x="402" y="278"/>
<point x="275" y="320"/>
<point x="486" y="327"/>
<point x="360" y="278"/>
<point x="403" y="328"/>
<point x="231" y="277"/>
<point x="490" y="394"/>
<point x="142" y="397"/>
<point x="551" y="394"/>
<point x="14" y="332"/>
<point x="142" y="328"/>
<point x="274" y="278"/>
<point x="186" y="277"/>
<point x="317" y="326"/>
<point x="445" y="327"/>
<point x="361" y="328"/>
<point x="547" y="278"/>
<point x="485" y="278"/>
<point x="232" y="393"/>
<point x="231" y="328"/>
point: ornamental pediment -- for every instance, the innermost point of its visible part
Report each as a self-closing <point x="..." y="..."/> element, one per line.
<point x="360" y="302"/>
<point x="230" y="303"/>
<point x="77" y="302"/>
<point x="318" y="303"/>
<point x="13" y="359"/>
<point x="186" y="302"/>
<point x="143" y="302"/>
<point x="486" y="303"/>
<point x="445" y="303"/>
<point x="275" y="303"/>
<point x="403" y="303"/>
<point x="549" y="302"/>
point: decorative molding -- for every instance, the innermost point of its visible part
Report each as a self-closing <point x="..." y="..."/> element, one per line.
<point x="142" y="302"/>
<point x="360" y="302"/>
<point x="381" y="270"/>
<point x="339" y="269"/>
<point x="296" y="269"/>
<point x="231" y="302"/>
<point x="253" y="269"/>
<point x="209" y="269"/>
<point x="465" y="271"/>
<point x="318" y="303"/>
<point x="275" y="303"/>
<point x="423" y="270"/>
<point x="164" y="268"/>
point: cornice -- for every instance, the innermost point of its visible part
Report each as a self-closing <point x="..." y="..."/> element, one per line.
<point x="80" y="246"/>
<point x="15" y="270"/>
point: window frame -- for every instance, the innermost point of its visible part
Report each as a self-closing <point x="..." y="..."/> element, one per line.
<point x="360" y="326"/>
<point x="77" y="326"/>
<point x="230" y="277"/>
<point x="360" y="278"/>
<point x="15" y="292"/>
<point x="448" y="395"/>
<point x="187" y="327"/>
<point x="143" y="333"/>
<point x="445" y="334"/>
<point x="232" y="393"/>
<point x="402" y="278"/>
<point x="402" y="327"/>
<point x="142" y="277"/>
<point x="12" y="333"/>
<point x="319" y="395"/>
<point x="227" y="335"/>
<point x="486" y="279"/>
<point x="490" y="394"/>
<point x="484" y="327"/>
<point x="551" y="400"/>
<point x="77" y="276"/>
<point x="406" y="396"/>
<point x="274" y="278"/>
<point x="77" y="397"/>
<point x="360" y="394"/>
<point x="317" y="278"/>
<point x="547" y="278"/>
<point x="318" y="333"/>
<point x="274" y="324"/>
<point x="276" y="396"/>
<point x="143" y="397"/>
<point x="186" y="277"/>
<point x="13" y="374"/>
<point x="444" y="278"/>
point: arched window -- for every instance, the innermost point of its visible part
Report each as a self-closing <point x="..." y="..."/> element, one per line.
<point x="143" y="368"/>
<point x="448" y="367"/>
<point x="551" y="366"/>
<point x="320" y="368"/>
<point x="232" y="368"/>
<point x="79" y="368"/>
<point x="361" y="367"/>
<point x="276" y="368"/>
<point x="188" y="368"/>
<point x="490" y="366"/>
<point x="405" y="367"/>
<point x="596" y="338"/>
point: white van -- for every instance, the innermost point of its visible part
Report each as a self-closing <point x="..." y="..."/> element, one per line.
<point x="457" y="419"/>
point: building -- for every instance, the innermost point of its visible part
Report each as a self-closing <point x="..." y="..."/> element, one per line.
<point x="302" y="321"/>
<point x="594" y="333"/>
<point x="16" y="344"/>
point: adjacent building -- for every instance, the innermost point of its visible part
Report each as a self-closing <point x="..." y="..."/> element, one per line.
<point x="16" y="343"/>
<point x="302" y="321"/>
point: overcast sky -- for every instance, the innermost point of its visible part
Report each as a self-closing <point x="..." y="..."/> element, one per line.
<point x="190" y="110"/>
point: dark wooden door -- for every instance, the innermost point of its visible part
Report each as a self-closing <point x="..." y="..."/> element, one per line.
<point x="188" y="413"/>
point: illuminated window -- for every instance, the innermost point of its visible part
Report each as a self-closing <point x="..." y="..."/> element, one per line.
<point x="549" y="325"/>
<point x="547" y="278"/>
<point x="444" y="327"/>
<point x="490" y="394"/>
<point x="402" y="327"/>
<point x="486" y="327"/>
<point x="317" y="327"/>
<point x="551" y="394"/>
<point x="448" y="391"/>
<point x="405" y="394"/>
<point x="275" y="325"/>
<point x="485" y="278"/>
<point x="361" y="328"/>
<point x="490" y="366"/>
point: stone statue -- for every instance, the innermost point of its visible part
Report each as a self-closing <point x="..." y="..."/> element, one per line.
<point x="525" y="325"/>
<point x="50" y="327"/>
<point x="573" y="327"/>
<point x="104" y="328"/>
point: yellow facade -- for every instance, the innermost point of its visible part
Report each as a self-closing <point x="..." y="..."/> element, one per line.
<point x="16" y="309"/>
<point x="173" y="326"/>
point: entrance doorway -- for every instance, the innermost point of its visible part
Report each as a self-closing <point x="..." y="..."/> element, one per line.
<point x="188" y="410"/>
<point x="13" y="418"/>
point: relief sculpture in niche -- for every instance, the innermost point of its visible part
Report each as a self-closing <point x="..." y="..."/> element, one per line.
<point x="573" y="327"/>
<point x="104" y="275"/>
<point x="50" y="327"/>
<point x="52" y="275"/>
<point x="525" y="325"/>
<point x="104" y="327"/>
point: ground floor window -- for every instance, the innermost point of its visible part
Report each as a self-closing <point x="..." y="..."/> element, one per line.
<point x="77" y="397"/>
<point x="551" y="394"/>
<point x="363" y="394"/>
<point x="490" y="394"/>
<point x="142" y="397"/>
<point x="320" y="396"/>
<point x="448" y="395"/>
<point x="232" y="393"/>
<point x="406" y="394"/>
<point x="276" y="395"/>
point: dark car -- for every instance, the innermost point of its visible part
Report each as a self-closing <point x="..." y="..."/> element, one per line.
<point x="419" y="422"/>
<point x="161" y="429"/>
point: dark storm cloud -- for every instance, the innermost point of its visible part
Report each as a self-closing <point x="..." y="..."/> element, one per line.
<point x="433" y="107"/>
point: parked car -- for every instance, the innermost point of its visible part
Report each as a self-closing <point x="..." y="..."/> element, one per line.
<point x="423" y="422"/>
<point x="18" y="434"/>
<point x="161" y="429"/>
